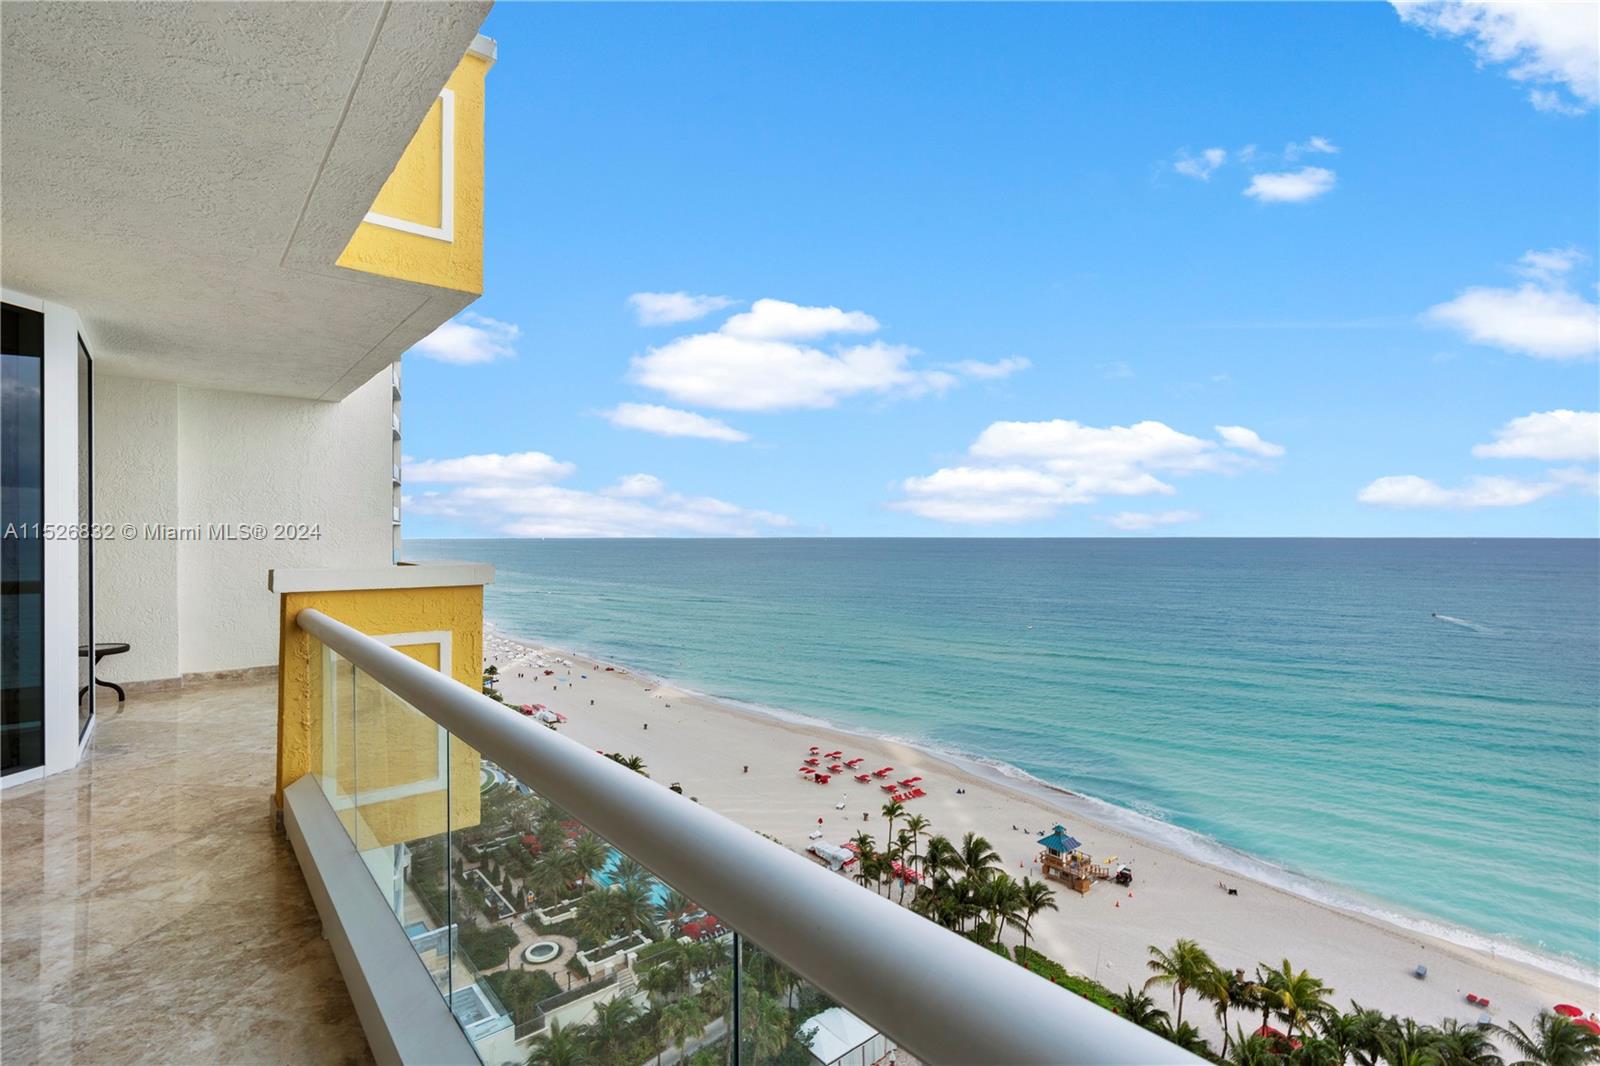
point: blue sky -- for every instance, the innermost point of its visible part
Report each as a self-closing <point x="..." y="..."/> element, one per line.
<point x="1201" y="270"/>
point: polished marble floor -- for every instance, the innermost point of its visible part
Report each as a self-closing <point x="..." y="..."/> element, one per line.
<point x="149" y="913"/>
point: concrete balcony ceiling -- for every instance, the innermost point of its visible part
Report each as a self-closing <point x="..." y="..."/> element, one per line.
<point x="186" y="175"/>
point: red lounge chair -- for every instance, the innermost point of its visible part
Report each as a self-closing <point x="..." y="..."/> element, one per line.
<point x="815" y="749"/>
<point x="812" y="762"/>
<point x="889" y="788"/>
<point x="807" y="770"/>
<point x="885" y="772"/>
<point x="863" y="778"/>
<point x="853" y="763"/>
<point x="836" y="768"/>
<point x="821" y="779"/>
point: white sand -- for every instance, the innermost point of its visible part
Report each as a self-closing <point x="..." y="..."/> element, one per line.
<point x="705" y="745"/>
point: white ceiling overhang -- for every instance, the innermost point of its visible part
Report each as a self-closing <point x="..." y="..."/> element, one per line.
<point x="185" y="176"/>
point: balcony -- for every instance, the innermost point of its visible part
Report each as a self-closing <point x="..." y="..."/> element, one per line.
<point x="150" y="908"/>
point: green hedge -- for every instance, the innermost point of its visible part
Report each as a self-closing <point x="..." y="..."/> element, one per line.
<point x="1051" y="970"/>
<point x="486" y="947"/>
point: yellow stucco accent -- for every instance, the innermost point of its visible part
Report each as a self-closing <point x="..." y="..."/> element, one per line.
<point x="412" y="193"/>
<point x="378" y="758"/>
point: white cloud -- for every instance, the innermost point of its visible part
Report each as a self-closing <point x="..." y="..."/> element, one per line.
<point x="1310" y="146"/>
<point x="1200" y="166"/>
<point x="1577" y="479"/>
<point x="1138" y="521"/>
<point x="671" y="422"/>
<point x="1069" y="447"/>
<point x="469" y="338"/>
<point x="662" y="308"/>
<point x="634" y="486"/>
<point x="1410" y="492"/>
<point x="521" y="468"/>
<point x="1000" y="368"/>
<point x="1291" y="186"/>
<point x="528" y="505"/>
<point x="1248" y="440"/>
<point x="1554" y="47"/>
<point x="1030" y="470"/>
<point x="756" y="362"/>
<point x="1543" y="317"/>
<point x="782" y="320"/>
<point x="1551" y="265"/>
<point x="1554" y="436"/>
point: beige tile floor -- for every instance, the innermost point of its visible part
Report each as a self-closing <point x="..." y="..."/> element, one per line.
<point x="149" y="913"/>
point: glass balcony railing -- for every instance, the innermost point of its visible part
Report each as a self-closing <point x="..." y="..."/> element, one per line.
<point x="558" y="900"/>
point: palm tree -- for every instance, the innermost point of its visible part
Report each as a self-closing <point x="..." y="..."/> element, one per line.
<point x="635" y="907"/>
<point x="766" y="1029"/>
<point x="682" y="1019"/>
<point x="1219" y="986"/>
<point x="1465" y="1045"/>
<point x="676" y="905"/>
<point x="866" y="852"/>
<point x="1002" y="898"/>
<point x="608" y="1028"/>
<point x="1554" y="1041"/>
<point x="892" y="810"/>
<point x="589" y="853"/>
<point x="1186" y="1036"/>
<point x="597" y="914"/>
<point x="1037" y="897"/>
<point x="916" y="825"/>
<point x="1299" y="995"/>
<point x="634" y="763"/>
<point x="939" y="859"/>
<point x="561" y="1045"/>
<point x="1138" y="1008"/>
<point x="548" y="878"/>
<point x="1183" y="967"/>
<point x="904" y="846"/>
<point x="627" y="869"/>
<point x="1252" y="1050"/>
<point x="976" y="858"/>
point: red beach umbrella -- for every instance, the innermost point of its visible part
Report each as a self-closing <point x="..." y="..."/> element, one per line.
<point x="1593" y="1027"/>
<point x="1567" y="1010"/>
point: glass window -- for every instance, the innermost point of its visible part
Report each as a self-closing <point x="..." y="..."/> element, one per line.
<point x="21" y="547"/>
<point x="85" y="544"/>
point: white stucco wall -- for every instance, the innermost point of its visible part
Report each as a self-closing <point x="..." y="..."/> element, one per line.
<point x="136" y="480"/>
<point x="248" y="458"/>
<point x="196" y="457"/>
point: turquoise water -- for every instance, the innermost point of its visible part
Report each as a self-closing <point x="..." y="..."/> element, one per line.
<point x="604" y="875"/>
<point x="1289" y="701"/>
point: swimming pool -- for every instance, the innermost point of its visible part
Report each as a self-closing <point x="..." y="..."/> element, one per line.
<point x="604" y="876"/>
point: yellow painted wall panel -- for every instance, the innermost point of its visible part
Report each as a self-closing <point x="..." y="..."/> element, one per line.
<point x="412" y="195"/>
<point x="412" y="191"/>
<point x="379" y="758"/>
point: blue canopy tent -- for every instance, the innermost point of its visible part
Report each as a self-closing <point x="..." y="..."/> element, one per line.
<point x="1059" y="843"/>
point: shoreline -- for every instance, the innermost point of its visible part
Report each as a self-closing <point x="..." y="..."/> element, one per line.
<point x="1325" y="922"/>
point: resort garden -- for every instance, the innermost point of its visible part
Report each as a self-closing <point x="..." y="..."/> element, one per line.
<point x="591" y="958"/>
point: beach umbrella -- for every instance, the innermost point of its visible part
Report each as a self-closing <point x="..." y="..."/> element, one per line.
<point x="1593" y="1027"/>
<point x="1567" y="1010"/>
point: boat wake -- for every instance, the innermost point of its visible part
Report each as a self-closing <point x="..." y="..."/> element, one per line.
<point x="1462" y="622"/>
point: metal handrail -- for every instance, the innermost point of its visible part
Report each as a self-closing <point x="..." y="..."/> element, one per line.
<point x="939" y="995"/>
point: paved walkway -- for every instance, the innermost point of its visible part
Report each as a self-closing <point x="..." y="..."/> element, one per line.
<point x="148" y="911"/>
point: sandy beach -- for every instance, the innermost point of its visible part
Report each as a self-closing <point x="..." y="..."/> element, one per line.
<point x="706" y="746"/>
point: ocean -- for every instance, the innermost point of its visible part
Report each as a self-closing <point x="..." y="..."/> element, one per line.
<point x="1406" y="727"/>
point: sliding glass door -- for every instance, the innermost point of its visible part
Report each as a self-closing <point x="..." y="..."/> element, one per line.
<point x="21" y="539"/>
